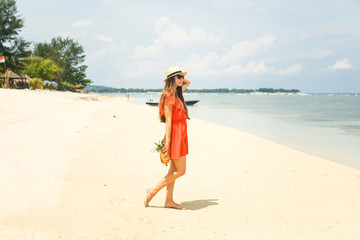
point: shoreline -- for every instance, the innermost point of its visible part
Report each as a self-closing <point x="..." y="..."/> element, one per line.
<point x="306" y="139"/>
<point x="324" y="142"/>
<point x="80" y="167"/>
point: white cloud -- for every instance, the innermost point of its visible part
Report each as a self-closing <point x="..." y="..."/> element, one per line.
<point x="291" y="70"/>
<point x="83" y="23"/>
<point x="139" y="71"/>
<point x="320" y="53"/>
<point x="316" y="54"/>
<point x="260" y="68"/>
<point x="108" y="50"/>
<point x="197" y="34"/>
<point x="249" y="48"/>
<point x="210" y="65"/>
<point x="250" y="68"/>
<point x="340" y="64"/>
<point x="170" y="35"/>
<point x="146" y="52"/>
<point x="142" y="69"/>
<point x="103" y="38"/>
<point x="161" y="24"/>
<point x="205" y="66"/>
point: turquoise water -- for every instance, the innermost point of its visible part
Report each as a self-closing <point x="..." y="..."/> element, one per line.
<point x="324" y="125"/>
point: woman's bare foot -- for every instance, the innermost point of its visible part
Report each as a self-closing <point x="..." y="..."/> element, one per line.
<point x="172" y="204"/>
<point x="148" y="197"/>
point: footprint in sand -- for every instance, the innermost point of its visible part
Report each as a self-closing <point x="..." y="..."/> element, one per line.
<point x="121" y="202"/>
<point x="145" y="219"/>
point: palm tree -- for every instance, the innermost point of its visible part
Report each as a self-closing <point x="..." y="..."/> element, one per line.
<point x="36" y="83"/>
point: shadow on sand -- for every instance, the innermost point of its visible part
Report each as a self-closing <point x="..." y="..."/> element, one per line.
<point x="198" y="204"/>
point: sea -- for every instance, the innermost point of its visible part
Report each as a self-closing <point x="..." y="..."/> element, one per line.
<point x="324" y="125"/>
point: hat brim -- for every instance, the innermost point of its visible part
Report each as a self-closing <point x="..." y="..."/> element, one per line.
<point x="182" y="73"/>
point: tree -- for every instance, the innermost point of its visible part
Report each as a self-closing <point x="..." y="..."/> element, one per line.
<point x="42" y="68"/>
<point x="36" y="83"/>
<point x="13" y="47"/>
<point x="68" y="55"/>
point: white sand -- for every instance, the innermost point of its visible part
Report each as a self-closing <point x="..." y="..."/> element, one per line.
<point x="74" y="168"/>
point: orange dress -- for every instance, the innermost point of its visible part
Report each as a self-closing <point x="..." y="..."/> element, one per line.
<point x="178" y="146"/>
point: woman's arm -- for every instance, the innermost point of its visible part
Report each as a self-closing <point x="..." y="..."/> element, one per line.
<point x="168" y="125"/>
<point x="186" y="84"/>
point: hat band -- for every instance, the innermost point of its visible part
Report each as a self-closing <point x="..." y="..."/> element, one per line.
<point x="173" y="74"/>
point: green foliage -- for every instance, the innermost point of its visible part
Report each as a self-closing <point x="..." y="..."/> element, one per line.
<point x="66" y="86"/>
<point x="86" y="82"/>
<point x="158" y="146"/>
<point x="42" y="68"/>
<point x="1" y="82"/>
<point x="104" y="89"/>
<point x="216" y="90"/>
<point x="50" y="86"/>
<point x="36" y="83"/>
<point x="68" y="55"/>
<point x="60" y="60"/>
<point x="281" y="90"/>
<point x="13" y="47"/>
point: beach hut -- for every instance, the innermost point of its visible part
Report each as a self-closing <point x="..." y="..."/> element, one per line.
<point x="14" y="80"/>
<point x="25" y="82"/>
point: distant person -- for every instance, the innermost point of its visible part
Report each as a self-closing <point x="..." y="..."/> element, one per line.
<point x="174" y="113"/>
<point x="127" y="97"/>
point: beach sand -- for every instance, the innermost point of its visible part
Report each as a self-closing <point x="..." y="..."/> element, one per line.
<point x="76" y="166"/>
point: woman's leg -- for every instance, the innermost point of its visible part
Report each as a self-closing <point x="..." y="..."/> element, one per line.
<point x="169" y="201"/>
<point x="170" y="186"/>
<point x="180" y="168"/>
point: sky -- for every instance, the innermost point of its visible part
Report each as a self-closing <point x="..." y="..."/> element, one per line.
<point x="311" y="45"/>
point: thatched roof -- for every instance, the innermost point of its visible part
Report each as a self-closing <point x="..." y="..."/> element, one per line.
<point x="26" y="77"/>
<point x="11" y="75"/>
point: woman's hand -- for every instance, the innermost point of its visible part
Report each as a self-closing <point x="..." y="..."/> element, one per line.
<point x="186" y="83"/>
<point x="165" y="148"/>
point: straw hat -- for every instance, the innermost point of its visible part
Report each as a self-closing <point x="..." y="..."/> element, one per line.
<point x="173" y="71"/>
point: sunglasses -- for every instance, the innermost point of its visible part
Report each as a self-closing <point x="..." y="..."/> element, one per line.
<point x="180" y="76"/>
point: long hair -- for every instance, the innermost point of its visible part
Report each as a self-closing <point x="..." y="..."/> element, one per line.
<point x="171" y="88"/>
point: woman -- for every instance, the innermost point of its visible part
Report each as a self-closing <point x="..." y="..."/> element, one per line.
<point x="173" y="111"/>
